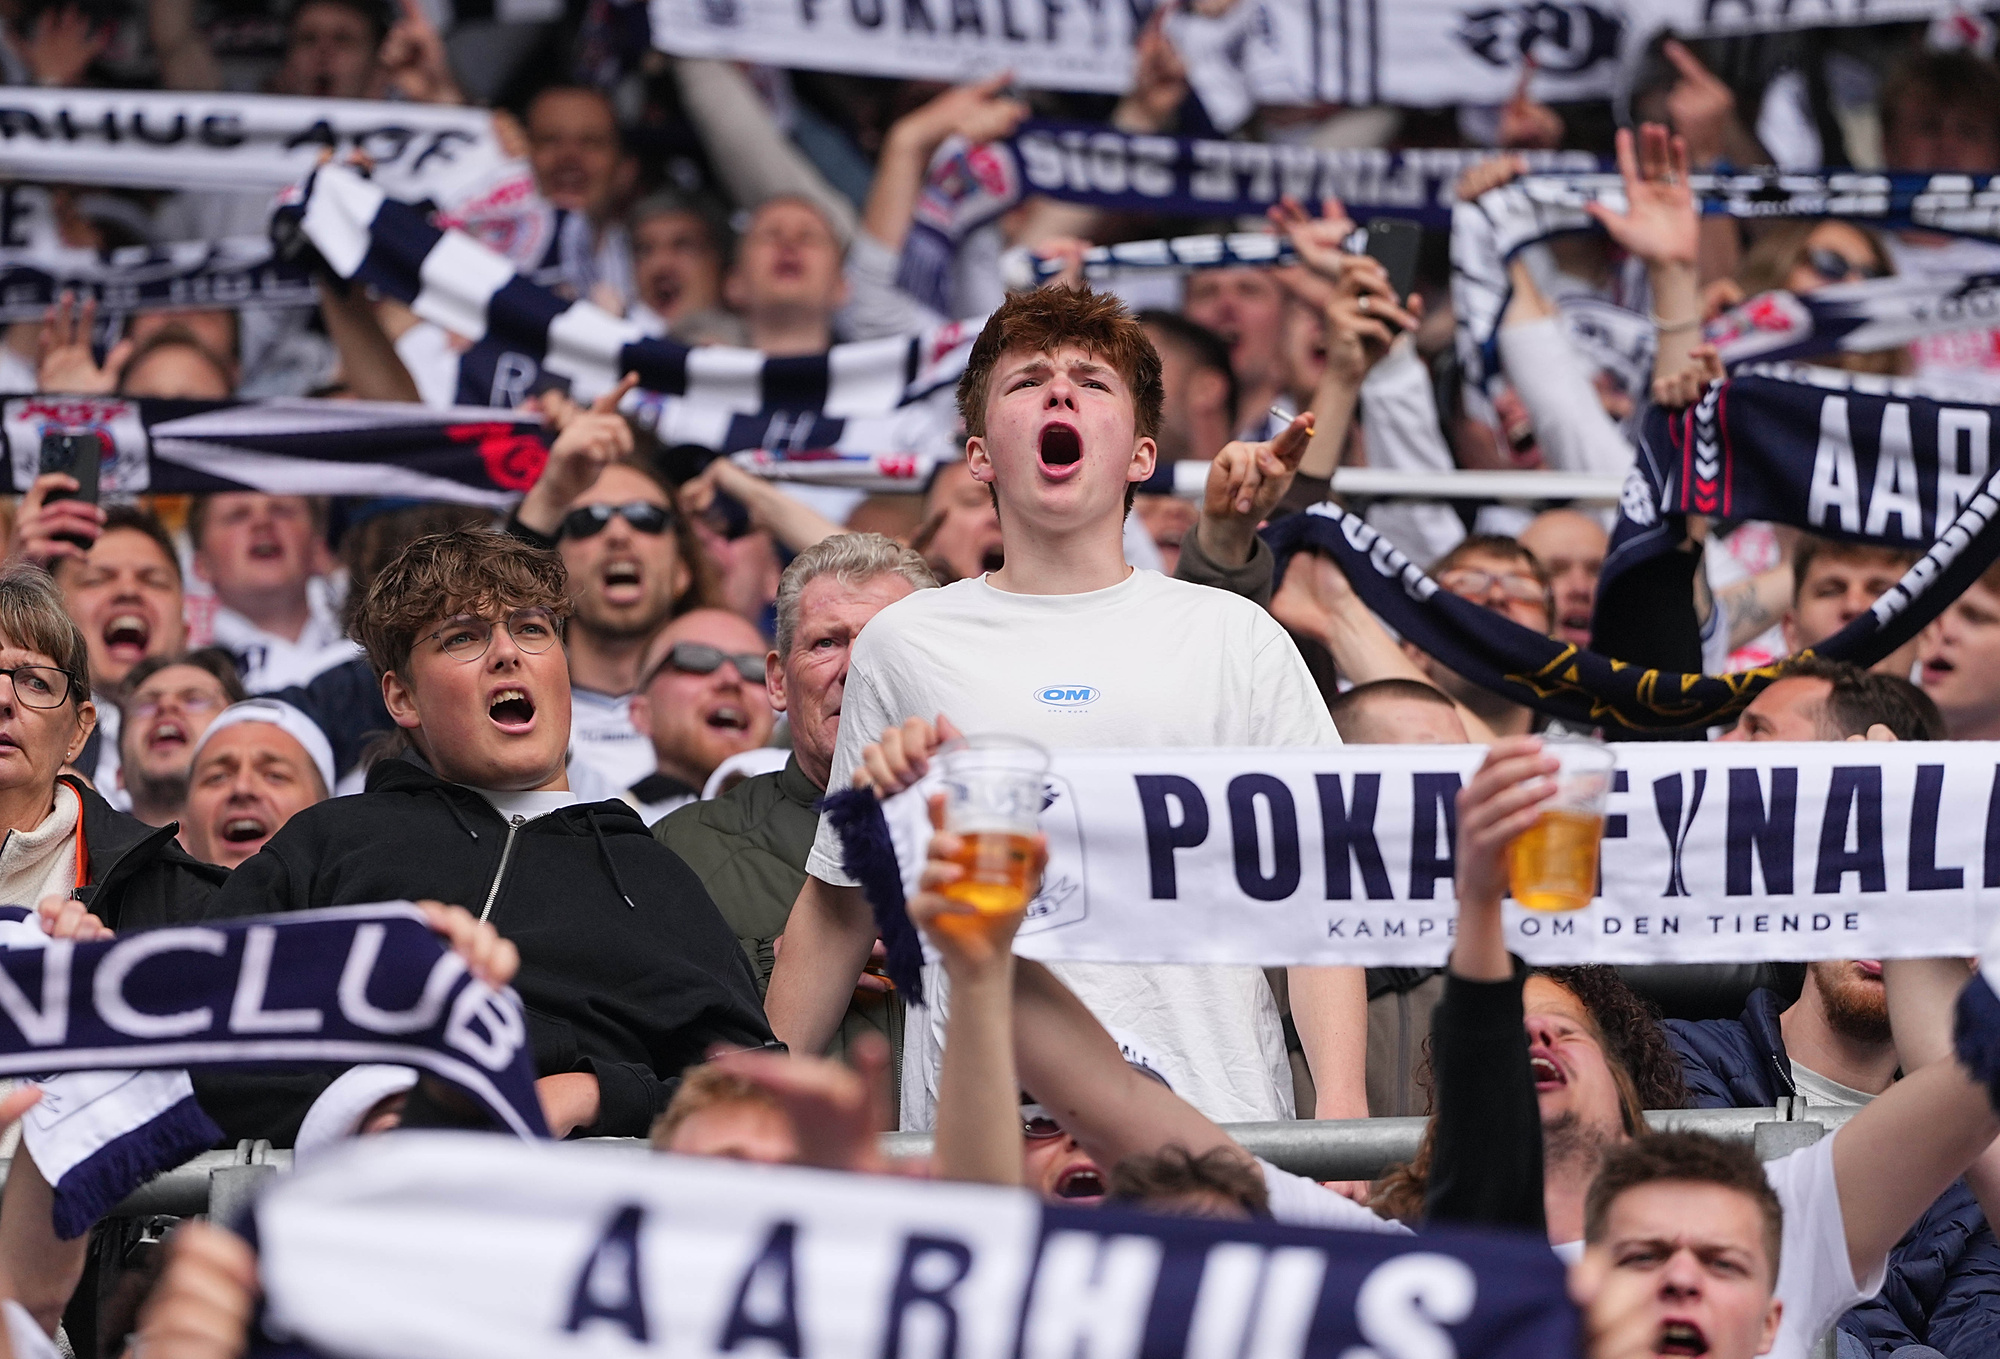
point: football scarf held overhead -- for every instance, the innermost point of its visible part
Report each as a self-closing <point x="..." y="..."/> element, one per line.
<point x="1487" y="234"/>
<point x="1584" y="688"/>
<point x="36" y="268"/>
<point x="451" y="280"/>
<point x="1345" y="855"/>
<point x="327" y="988"/>
<point x="231" y="274"/>
<point x="288" y="446"/>
<point x="969" y="186"/>
<point x="1855" y="318"/>
<point x="561" y="1251"/>
<point x="1895" y="462"/>
<point x="161" y="139"/>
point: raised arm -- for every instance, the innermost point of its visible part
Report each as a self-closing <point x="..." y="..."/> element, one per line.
<point x="978" y="112"/>
<point x="978" y="1109"/>
<point x="1898" y="1154"/>
<point x="1661" y="226"/>
<point x="1317" y="599"/>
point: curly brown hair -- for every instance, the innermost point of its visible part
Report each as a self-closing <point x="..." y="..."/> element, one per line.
<point x="1047" y="319"/>
<point x="442" y="575"/>
<point x="1643" y="1065"/>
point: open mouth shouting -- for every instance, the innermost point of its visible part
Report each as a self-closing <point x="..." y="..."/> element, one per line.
<point x="728" y="718"/>
<point x="1084" y="1183"/>
<point x="1680" y="1337"/>
<point x="1060" y="451"/>
<point x="242" y="828"/>
<point x="126" y="636"/>
<point x="511" y="710"/>
<point x="1548" y="1076"/>
<point x="624" y="582"/>
<point x="167" y="738"/>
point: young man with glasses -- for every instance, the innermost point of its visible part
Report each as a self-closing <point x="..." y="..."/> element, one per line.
<point x="627" y="971"/>
<point x="633" y="563"/>
<point x="701" y="701"/>
<point x="170" y="701"/>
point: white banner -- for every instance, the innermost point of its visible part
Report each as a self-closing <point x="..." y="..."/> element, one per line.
<point x="1712" y="853"/>
<point x="246" y="142"/>
<point x="1047" y="44"/>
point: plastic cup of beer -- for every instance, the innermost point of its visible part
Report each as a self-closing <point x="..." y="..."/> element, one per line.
<point x="993" y="788"/>
<point x="1553" y="864"/>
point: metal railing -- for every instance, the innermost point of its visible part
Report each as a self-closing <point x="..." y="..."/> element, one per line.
<point x="220" y="1182"/>
<point x="1362" y="1148"/>
<point x="1358" y="487"/>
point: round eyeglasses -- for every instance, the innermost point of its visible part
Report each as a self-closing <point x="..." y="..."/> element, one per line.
<point x="466" y="639"/>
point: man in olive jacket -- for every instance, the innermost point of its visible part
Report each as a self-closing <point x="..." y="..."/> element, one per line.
<point x="749" y="845"/>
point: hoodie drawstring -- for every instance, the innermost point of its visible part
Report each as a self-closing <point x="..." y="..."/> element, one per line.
<point x="452" y="805"/>
<point x="604" y="853"/>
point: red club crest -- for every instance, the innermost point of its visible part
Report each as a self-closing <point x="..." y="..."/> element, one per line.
<point x="513" y="458"/>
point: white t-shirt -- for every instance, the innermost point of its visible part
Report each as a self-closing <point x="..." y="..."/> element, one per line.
<point x="1300" y="1202"/>
<point x="1815" y="1278"/>
<point x="607" y="754"/>
<point x="1172" y="664"/>
<point x="525" y="806"/>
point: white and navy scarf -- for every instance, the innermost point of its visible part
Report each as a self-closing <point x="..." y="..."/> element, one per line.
<point x="1901" y="463"/>
<point x="565" y="1251"/>
<point x="222" y="141"/>
<point x="969" y="186"/>
<point x="1885" y="460"/>
<point x="526" y="336"/>
<point x="1345" y="856"/>
<point x="285" y="446"/>
<point x="315" y="989"/>
<point x="1487" y="234"/>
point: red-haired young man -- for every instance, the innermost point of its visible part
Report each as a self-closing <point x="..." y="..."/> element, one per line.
<point x="1068" y="645"/>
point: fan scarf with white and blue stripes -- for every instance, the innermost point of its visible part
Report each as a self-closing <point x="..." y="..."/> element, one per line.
<point x="452" y="281"/>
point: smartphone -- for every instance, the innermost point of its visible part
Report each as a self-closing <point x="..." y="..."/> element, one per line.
<point x="1395" y="242"/>
<point x="76" y="455"/>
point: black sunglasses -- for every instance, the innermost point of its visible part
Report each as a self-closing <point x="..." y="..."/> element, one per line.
<point x="1835" y="267"/>
<point x="699" y="658"/>
<point x="590" y="520"/>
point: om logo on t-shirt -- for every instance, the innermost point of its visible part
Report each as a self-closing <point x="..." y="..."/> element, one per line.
<point x="1068" y="695"/>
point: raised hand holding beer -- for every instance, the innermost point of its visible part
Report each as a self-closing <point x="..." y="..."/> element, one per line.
<point x="1553" y="864"/>
<point x="967" y="918"/>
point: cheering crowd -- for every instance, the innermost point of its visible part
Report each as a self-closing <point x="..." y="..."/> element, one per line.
<point x="586" y="712"/>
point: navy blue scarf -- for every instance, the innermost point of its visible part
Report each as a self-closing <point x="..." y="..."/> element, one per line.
<point x="315" y="989"/>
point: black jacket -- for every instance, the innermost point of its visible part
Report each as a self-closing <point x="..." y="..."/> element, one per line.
<point x="139" y="876"/>
<point x="627" y="970"/>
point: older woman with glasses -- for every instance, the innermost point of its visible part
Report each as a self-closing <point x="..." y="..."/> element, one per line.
<point x="61" y="839"/>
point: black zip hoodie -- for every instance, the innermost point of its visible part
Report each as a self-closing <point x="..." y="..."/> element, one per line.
<point x="627" y="970"/>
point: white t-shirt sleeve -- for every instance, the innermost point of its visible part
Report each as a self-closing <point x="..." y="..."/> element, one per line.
<point x="1289" y="709"/>
<point x="1300" y="1202"/>
<point x="1815" y="1278"/>
<point x="863" y="716"/>
<point x="26" y="1337"/>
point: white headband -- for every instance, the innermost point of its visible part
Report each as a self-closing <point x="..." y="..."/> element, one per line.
<point x="277" y="713"/>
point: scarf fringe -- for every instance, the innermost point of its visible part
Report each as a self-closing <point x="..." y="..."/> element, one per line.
<point x="1977" y="1034"/>
<point x="869" y="854"/>
<point x="93" y="1188"/>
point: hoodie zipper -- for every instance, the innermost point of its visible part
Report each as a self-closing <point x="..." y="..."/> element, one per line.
<point x="514" y="824"/>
